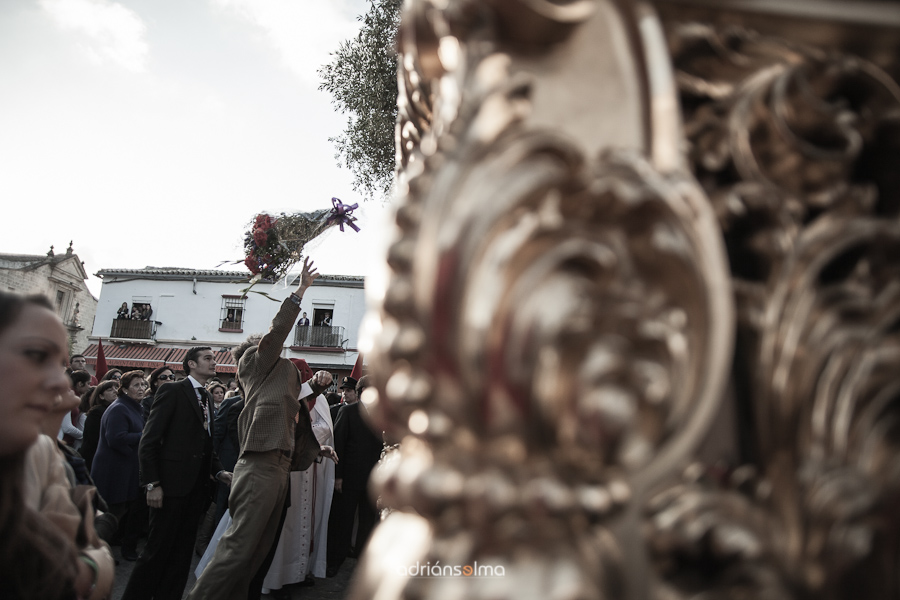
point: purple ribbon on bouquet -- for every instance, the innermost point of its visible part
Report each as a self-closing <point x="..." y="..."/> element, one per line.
<point x="340" y="214"/>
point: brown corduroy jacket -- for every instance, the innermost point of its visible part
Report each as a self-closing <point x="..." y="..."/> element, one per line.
<point x="272" y="386"/>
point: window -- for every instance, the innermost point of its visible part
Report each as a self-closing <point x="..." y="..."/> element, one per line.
<point x="322" y="317"/>
<point x="232" y="316"/>
<point x="140" y="311"/>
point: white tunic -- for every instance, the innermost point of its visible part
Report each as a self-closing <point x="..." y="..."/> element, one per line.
<point x="302" y="547"/>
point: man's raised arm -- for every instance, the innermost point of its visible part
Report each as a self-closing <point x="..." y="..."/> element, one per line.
<point x="272" y="343"/>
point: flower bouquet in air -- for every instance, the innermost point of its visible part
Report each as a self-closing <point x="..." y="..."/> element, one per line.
<point x="274" y="244"/>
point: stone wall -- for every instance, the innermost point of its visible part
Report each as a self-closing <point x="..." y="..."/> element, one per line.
<point x="50" y="279"/>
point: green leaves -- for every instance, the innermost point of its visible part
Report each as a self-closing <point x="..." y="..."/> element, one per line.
<point x="362" y="79"/>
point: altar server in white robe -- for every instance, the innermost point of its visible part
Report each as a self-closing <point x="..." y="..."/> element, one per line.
<point x="301" y="552"/>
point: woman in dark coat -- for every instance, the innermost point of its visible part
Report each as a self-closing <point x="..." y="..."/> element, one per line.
<point x="116" y="470"/>
<point x="102" y="396"/>
<point x="122" y="313"/>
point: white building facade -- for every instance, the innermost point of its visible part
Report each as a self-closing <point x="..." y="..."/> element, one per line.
<point x="178" y="309"/>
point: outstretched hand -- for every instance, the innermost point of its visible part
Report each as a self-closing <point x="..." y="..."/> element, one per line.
<point x="328" y="452"/>
<point x="307" y="276"/>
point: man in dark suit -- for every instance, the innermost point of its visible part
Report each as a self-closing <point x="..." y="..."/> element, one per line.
<point x="178" y="466"/>
<point x="359" y="449"/>
<point x="348" y="396"/>
<point x="304" y="332"/>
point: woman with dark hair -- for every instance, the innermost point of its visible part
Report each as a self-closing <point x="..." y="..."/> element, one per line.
<point x="116" y="470"/>
<point x="36" y="559"/>
<point x="158" y="376"/>
<point x="72" y="429"/>
<point x="217" y="393"/>
<point x="122" y="313"/>
<point x="112" y="374"/>
<point x="103" y="395"/>
<point x="85" y="404"/>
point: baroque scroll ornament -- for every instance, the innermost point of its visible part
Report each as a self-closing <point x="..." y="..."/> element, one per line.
<point x="556" y="333"/>
<point x="792" y="145"/>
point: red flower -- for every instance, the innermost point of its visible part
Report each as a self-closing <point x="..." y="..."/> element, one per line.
<point x="260" y="237"/>
<point x="264" y="222"/>
<point x="252" y="264"/>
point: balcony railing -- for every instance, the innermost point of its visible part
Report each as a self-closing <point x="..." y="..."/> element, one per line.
<point x="321" y="336"/>
<point x="231" y="326"/>
<point x="133" y="330"/>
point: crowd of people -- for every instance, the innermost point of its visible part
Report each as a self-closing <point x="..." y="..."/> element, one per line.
<point x="138" y="312"/>
<point x="261" y="473"/>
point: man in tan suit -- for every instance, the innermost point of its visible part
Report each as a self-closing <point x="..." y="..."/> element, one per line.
<point x="268" y="427"/>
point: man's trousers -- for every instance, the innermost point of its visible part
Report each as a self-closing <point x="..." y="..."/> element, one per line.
<point x="258" y="491"/>
<point x="162" y="569"/>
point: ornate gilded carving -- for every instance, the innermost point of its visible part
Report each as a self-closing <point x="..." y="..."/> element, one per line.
<point x="556" y="330"/>
<point x="793" y="146"/>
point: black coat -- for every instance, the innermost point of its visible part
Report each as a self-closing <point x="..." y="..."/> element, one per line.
<point x="357" y="447"/>
<point x="115" y="466"/>
<point x="91" y="436"/>
<point x="175" y="449"/>
<point x="225" y="439"/>
<point x="146" y="405"/>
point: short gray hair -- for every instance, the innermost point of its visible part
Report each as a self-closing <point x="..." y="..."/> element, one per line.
<point x="252" y="340"/>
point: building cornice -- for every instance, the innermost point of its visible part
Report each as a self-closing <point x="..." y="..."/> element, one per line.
<point x="30" y="262"/>
<point x="171" y="274"/>
<point x="178" y="274"/>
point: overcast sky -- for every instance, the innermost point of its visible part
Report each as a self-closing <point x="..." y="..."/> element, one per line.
<point x="151" y="131"/>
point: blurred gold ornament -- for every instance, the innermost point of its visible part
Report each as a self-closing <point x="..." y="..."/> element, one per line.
<point x="630" y="248"/>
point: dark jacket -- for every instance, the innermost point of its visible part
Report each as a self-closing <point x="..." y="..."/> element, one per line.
<point x="226" y="444"/>
<point x="115" y="467"/>
<point x="358" y="449"/>
<point x="176" y="450"/>
<point x="91" y="436"/>
<point x="146" y="404"/>
<point x="334" y="409"/>
<point x="80" y="472"/>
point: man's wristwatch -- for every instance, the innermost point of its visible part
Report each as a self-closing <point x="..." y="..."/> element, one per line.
<point x="151" y="486"/>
